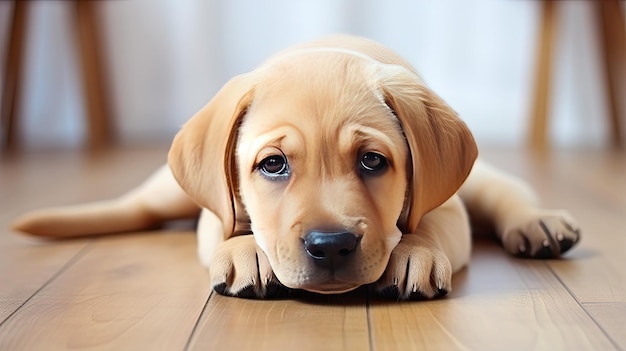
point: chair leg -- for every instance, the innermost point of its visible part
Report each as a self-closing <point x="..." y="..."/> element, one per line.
<point x="612" y="30"/>
<point x="99" y="118"/>
<point x="12" y="77"/>
<point x="538" y="134"/>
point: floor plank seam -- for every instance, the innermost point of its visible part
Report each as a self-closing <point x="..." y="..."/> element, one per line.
<point x="77" y="256"/>
<point x="370" y="330"/>
<point x="197" y="323"/>
<point x="582" y="307"/>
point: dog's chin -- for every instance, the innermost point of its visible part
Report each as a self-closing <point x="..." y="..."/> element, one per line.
<point x="328" y="282"/>
<point x="331" y="288"/>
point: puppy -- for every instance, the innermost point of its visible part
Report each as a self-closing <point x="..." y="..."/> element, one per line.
<point x="329" y="167"/>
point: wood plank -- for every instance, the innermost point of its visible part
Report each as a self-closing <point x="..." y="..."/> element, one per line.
<point x="302" y="322"/>
<point x="35" y="180"/>
<point x="26" y="266"/>
<point x="591" y="186"/>
<point x="611" y="317"/>
<point x="597" y="176"/>
<point x="594" y="272"/>
<point x="499" y="303"/>
<point x="40" y="179"/>
<point x="143" y="291"/>
<point x="597" y="277"/>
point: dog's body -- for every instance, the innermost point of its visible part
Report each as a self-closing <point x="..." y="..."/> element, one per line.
<point x="346" y="169"/>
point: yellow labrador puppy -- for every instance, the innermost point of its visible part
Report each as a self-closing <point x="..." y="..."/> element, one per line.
<point x="329" y="167"/>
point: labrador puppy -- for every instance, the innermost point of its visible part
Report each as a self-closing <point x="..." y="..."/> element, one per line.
<point x="330" y="166"/>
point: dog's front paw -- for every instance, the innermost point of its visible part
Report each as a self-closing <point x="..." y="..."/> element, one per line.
<point x="547" y="234"/>
<point x="416" y="271"/>
<point x="239" y="268"/>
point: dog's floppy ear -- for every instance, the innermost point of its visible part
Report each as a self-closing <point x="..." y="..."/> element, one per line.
<point x="441" y="146"/>
<point x="201" y="155"/>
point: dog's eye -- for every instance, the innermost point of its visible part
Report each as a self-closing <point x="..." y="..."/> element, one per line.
<point x="274" y="166"/>
<point x="372" y="162"/>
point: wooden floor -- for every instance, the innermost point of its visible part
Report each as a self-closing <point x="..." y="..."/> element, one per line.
<point x="147" y="291"/>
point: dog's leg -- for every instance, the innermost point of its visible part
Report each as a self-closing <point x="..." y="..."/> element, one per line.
<point x="422" y="264"/>
<point x="209" y="232"/>
<point x="524" y="228"/>
<point x="158" y="199"/>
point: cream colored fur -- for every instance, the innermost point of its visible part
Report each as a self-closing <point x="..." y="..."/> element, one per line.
<point x="321" y="108"/>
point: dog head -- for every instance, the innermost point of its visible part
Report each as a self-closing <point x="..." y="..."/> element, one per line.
<point x="330" y="156"/>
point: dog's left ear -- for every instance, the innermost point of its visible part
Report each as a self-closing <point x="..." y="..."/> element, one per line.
<point x="441" y="146"/>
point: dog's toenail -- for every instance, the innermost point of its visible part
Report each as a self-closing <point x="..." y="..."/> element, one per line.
<point x="546" y="243"/>
<point x="559" y="237"/>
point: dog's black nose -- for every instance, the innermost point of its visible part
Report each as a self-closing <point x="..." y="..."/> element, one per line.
<point x="330" y="247"/>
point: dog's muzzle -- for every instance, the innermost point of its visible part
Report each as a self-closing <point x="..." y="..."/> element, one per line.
<point x="331" y="250"/>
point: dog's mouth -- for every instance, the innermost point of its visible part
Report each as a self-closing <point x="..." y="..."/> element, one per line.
<point x="332" y="281"/>
<point x="328" y="280"/>
<point x="331" y="287"/>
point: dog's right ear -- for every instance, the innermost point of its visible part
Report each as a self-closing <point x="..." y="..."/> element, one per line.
<point x="201" y="154"/>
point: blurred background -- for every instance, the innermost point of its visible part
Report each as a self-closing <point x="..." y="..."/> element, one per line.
<point x="163" y="60"/>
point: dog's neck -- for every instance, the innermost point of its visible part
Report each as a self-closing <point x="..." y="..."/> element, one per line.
<point x="242" y="224"/>
<point x="242" y="227"/>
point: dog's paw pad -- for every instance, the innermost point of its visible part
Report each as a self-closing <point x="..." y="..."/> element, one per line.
<point x="441" y="293"/>
<point x="567" y="243"/>
<point x="272" y="290"/>
<point x="545" y="252"/>
<point x="545" y="236"/>
<point x="247" y="292"/>
<point x="275" y="290"/>
<point x="393" y="292"/>
<point x="221" y="288"/>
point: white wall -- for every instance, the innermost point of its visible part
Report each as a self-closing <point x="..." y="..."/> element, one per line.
<point x="167" y="58"/>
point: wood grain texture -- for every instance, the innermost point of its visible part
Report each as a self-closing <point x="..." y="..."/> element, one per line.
<point x="115" y="297"/>
<point x="499" y="303"/>
<point x="611" y="317"/>
<point x="298" y="323"/>
<point x="147" y="290"/>
<point x="26" y="267"/>
<point x="592" y="187"/>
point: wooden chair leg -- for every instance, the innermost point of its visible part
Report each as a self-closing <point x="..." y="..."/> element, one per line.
<point x="99" y="118"/>
<point x="612" y="30"/>
<point x="538" y="134"/>
<point x="12" y="77"/>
